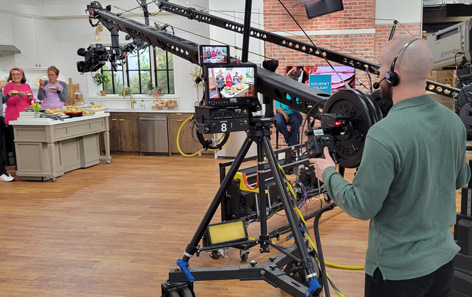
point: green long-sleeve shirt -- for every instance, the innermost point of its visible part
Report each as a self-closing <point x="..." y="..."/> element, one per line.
<point x="413" y="161"/>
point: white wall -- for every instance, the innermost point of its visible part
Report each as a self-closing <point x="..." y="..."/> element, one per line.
<point x="404" y="11"/>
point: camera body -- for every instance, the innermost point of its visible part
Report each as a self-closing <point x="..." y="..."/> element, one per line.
<point x="95" y="56"/>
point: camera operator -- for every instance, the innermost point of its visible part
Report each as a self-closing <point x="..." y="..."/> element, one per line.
<point x="413" y="162"/>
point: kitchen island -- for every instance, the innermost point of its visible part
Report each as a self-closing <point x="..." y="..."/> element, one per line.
<point x="47" y="148"/>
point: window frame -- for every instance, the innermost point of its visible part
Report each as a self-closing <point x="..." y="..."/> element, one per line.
<point x="153" y="73"/>
<point x="167" y="70"/>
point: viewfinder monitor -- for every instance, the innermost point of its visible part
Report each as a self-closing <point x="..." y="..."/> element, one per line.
<point x="231" y="84"/>
<point x="213" y="54"/>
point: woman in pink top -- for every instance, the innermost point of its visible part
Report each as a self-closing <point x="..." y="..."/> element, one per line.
<point x="17" y="97"/>
<point x="229" y="80"/>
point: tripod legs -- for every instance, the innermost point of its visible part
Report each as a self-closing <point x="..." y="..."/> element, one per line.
<point x="272" y="272"/>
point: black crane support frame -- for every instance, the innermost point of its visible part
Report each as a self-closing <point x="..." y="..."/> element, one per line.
<point x="304" y="47"/>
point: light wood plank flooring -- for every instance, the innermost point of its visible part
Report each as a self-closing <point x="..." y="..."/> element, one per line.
<point x="116" y="230"/>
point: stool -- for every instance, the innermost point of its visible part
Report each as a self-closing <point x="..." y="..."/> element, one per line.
<point x="277" y="136"/>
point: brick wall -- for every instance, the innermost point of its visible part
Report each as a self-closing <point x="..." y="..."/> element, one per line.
<point x="356" y="15"/>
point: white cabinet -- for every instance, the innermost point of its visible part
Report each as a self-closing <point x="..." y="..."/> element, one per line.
<point x="6" y="35"/>
<point x="45" y="42"/>
<point x="35" y="38"/>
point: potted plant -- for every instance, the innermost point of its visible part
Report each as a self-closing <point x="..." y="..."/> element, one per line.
<point x="99" y="79"/>
<point x="150" y="88"/>
<point x="157" y="92"/>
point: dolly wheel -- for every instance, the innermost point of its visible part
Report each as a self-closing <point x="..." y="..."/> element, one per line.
<point x="215" y="254"/>
<point x="244" y="255"/>
<point x="180" y="291"/>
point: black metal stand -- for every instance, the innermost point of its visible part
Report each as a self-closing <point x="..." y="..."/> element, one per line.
<point x="271" y="271"/>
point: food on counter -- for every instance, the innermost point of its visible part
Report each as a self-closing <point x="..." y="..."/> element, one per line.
<point x="57" y="110"/>
<point x="160" y="103"/>
<point x="78" y="104"/>
<point x="88" y="112"/>
<point x="35" y="105"/>
<point x="95" y="107"/>
<point x="171" y="103"/>
<point x="73" y="112"/>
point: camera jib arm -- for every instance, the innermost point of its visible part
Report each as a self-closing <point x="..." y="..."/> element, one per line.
<point x="269" y="83"/>
<point x="293" y="44"/>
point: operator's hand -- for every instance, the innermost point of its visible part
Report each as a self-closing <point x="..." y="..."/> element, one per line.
<point x="287" y="118"/>
<point x="321" y="164"/>
<point x="41" y="83"/>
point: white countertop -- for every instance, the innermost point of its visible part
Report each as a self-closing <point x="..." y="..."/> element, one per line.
<point x="29" y="120"/>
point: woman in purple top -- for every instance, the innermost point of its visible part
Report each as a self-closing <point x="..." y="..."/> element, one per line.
<point x="53" y="93"/>
<point x="236" y="79"/>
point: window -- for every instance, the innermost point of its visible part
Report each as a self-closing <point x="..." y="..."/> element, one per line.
<point x="164" y="71"/>
<point x="139" y="71"/>
<point x="115" y="84"/>
<point x="139" y="74"/>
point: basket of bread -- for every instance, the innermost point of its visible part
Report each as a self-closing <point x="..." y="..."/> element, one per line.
<point x="159" y="104"/>
<point x="171" y="103"/>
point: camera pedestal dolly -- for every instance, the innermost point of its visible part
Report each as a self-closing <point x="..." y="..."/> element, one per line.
<point x="180" y="281"/>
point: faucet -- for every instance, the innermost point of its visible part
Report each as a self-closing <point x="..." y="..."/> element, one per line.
<point x="127" y="91"/>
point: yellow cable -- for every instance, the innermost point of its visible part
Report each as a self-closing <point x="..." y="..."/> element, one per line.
<point x="201" y="150"/>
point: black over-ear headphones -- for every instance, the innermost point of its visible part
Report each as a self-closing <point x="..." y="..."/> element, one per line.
<point x="392" y="78"/>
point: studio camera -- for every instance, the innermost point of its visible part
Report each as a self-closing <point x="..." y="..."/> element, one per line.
<point x="95" y="56"/>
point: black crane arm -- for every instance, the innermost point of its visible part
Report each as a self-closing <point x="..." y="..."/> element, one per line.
<point x="270" y="84"/>
<point x="293" y="44"/>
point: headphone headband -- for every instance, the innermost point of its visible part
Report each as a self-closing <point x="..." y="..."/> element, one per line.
<point x="392" y="78"/>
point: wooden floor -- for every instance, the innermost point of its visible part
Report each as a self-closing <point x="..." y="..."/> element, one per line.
<point x="116" y="230"/>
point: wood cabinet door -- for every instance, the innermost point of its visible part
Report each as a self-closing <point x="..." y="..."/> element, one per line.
<point x="129" y="128"/>
<point x="186" y="142"/>
<point x="114" y="133"/>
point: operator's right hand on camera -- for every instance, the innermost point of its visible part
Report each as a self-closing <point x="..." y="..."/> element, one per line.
<point x="321" y="164"/>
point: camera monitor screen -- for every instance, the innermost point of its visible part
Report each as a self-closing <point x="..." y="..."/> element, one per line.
<point x="214" y="54"/>
<point x="231" y="84"/>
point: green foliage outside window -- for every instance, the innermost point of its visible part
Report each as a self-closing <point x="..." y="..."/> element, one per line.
<point x="138" y="72"/>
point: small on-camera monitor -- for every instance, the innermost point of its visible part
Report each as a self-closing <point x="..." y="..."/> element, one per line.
<point x="213" y="54"/>
<point x="231" y="84"/>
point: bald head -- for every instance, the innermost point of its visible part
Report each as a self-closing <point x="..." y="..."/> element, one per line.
<point x="414" y="62"/>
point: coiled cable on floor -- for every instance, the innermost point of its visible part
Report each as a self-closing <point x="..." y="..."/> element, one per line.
<point x="225" y="139"/>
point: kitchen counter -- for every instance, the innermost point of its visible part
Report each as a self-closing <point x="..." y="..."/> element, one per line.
<point x="28" y="119"/>
<point x="47" y="148"/>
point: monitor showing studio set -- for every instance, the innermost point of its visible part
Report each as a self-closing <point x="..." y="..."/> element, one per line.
<point x="230" y="84"/>
<point x="213" y="54"/>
